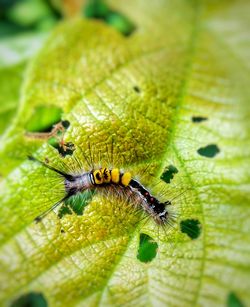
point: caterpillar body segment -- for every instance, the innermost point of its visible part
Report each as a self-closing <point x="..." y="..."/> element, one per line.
<point x="126" y="179"/>
<point x="158" y="210"/>
<point x="97" y="178"/>
<point x="115" y="175"/>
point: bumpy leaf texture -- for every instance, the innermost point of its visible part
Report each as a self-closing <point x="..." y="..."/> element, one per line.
<point x="174" y="93"/>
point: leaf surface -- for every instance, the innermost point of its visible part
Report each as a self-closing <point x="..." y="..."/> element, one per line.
<point x="139" y="94"/>
<point x="13" y="61"/>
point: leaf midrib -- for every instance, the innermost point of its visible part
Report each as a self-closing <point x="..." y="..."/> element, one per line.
<point x="193" y="47"/>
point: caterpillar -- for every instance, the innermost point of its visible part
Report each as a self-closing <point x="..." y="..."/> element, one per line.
<point x="105" y="178"/>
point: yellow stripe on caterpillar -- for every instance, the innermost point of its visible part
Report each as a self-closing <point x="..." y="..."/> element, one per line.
<point x="115" y="175"/>
<point x="105" y="175"/>
<point x="126" y="178"/>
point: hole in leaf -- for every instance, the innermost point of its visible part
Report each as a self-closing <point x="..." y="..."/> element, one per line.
<point x="76" y="204"/>
<point x="209" y="151"/>
<point x="100" y="10"/>
<point x="147" y="248"/>
<point x="64" y="149"/>
<point x="136" y="89"/>
<point x="191" y="227"/>
<point x="43" y="119"/>
<point x="233" y="300"/>
<point x="198" y="119"/>
<point x="168" y="173"/>
<point x="65" y="124"/>
<point x="120" y="23"/>
<point x="30" y="300"/>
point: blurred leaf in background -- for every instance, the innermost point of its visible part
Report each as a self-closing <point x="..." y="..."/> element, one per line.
<point x="26" y="15"/>
<point x="23" y="27"/>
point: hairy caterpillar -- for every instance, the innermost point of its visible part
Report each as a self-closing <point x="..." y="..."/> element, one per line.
<point x="105" y="179"/>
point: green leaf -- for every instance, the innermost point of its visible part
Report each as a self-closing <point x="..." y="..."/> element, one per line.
<point x="13" y="61"/>
<point x="140" y="94"/>
<point x="28" y="12"/>
<point x="10" y="81"/>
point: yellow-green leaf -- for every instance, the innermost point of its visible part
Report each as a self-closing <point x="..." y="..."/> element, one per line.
<point x="13" y="61"/>
<point x="141" y="94"/>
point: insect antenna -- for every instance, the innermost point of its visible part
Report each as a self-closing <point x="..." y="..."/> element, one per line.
<point x="41" y="216"/>
<point x="65" y="175"/>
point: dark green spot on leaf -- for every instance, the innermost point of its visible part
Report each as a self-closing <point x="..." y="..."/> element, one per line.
<point x="137" y="89"/>
<point x="168" y="173"/>
<point x="191" y="227"/>
<point x="64" y="149"/>
<point x="233" y="300"/>
<point x="147" y="248"/>
<point x="198" y="119"/>
<point x="30" y="300"/>
<point x="65" y="124"/>
<point x="76" y="204"/>
<point x="209" y="151"/>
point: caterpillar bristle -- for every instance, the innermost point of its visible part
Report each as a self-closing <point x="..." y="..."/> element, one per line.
<point x="126" y="189"/>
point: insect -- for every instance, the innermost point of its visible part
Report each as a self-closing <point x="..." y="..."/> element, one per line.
<point x="57" y="132"/>
<point x="56" y="129"/>
<point x="105" y="179"/>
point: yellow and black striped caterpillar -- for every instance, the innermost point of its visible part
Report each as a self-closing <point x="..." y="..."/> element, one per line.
<point x="104" y="175"/>
<point x="105" y="178"/>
